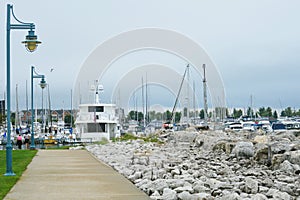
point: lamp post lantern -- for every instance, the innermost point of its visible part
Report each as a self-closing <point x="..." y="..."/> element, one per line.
<point x="31" y="44"/>
<point x="42" y="85"/>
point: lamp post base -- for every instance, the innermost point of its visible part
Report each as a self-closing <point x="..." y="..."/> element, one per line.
<point x="32" y="148"/>
<point x="9" y="171"/>
<point x="9" y="174"/>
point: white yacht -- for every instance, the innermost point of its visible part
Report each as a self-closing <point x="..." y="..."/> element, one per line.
<point x="97" y="120"/>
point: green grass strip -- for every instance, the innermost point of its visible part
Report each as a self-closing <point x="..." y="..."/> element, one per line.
<point x="20" y="160"/>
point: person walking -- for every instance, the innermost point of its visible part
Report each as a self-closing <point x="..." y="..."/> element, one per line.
<point x="19" y="141"/>
<point x="26" y="140"/>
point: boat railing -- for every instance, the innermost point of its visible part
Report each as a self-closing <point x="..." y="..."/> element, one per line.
<point x="97" y="116"/>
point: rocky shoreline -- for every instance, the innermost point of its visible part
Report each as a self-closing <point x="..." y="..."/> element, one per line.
<point x="210" y="165"/>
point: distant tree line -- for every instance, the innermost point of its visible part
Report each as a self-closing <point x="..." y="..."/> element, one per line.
<point x="267" y="112"/>
<point x="237" y="113"/>
<point x="152" y="115"/>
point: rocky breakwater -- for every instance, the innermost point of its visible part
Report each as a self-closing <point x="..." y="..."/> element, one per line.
<point x="210" y="165"/>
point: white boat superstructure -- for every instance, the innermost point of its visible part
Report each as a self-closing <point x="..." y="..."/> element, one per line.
<point x="97" y="121"/>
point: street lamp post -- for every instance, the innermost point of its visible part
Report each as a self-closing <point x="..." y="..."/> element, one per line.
<point x="43" y="85"/>
<point x="31" y="44"/>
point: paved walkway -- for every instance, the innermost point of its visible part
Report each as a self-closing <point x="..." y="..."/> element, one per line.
<point x="72" y="174"/>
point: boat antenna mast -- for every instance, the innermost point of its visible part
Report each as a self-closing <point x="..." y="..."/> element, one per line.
<point x="98" y="88"/>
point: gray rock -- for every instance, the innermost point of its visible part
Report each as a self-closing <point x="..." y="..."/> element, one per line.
<point x="169" y="194"/>
<point x="251" y="186"/>
<point x="184" y="188"/>
<point x="135" y="176"/>
<point x="202" y="196"/>
<point x="200" y="189"/>
<point x="175" y="183"/>
<point x="176" y="172"/>
<point x="252" y="172"/>
<point x="277" y="159"/>
<point x="155" y="196"/>
<point x="261" y="154"/>
<point x="213" y="183"/>
<point x="286" y="167"/>
<point x="231" y="196"/>
<point x="294" y="157"/>
<point x="184" y="196"/>
<point x="263" y="189"/>
<point x="220" y="146"/>
<point x="280" y="147"/>
<point x="267" y="182"/>
<point x="158" y="185"/>
<point x="276" y="194"/>
<point x="181" y="168"/>
<point x="285" y="178"/>
<point x="259" y="197"/>
<point x="281" y="196"/>
<point x="243" y="150"/>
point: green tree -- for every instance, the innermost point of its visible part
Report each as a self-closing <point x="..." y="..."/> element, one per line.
<point x="265" y="112"/>
<point x="168" y="115"/>
<point x="250" y="111"/>
<point x="287" y="112"/>
<point x="152" y="115"/>
<point x="261" y="111"/>
<point x="177" y="117"/>
<point x="297" y="113"/>
<point x="2" y="119"/>
<point x="227" y="113"/>
<point x="68" y="119"/>
<point x="159" y="116"/>
<point x="269" y="112"/>
<point x="275" y="115"/>
<point x="237" y="113"/>
<point x="13" y="118"/>
<point x="140" y="116"/>
<point x="132" y="115"/>
<point x="201" y="115"/>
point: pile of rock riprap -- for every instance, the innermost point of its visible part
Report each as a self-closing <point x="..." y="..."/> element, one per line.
<point x="210" y="165"/>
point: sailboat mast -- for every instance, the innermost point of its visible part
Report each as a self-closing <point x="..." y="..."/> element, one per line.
<point x="147" y="116"/>
<point x="188" y="94"/>
<point x="27" y="122"/>
<point x="71" y="109"/>
<point x="143" y="102"/>
<point x="177" y="97"/>
<point x="49" y="102"/>
<point x="205" y="94"/>
<point x="17" y="109"/>
<point x="251" y="106"/>
<point x="194" y="102"/>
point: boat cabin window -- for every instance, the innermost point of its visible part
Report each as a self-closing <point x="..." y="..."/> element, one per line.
<point x="96" y="127"/>
<point x="96" y="109"/>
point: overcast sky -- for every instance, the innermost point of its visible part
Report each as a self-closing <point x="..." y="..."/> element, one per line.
<point x="255" y="44"/>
